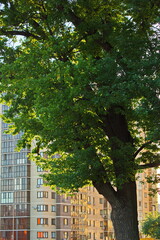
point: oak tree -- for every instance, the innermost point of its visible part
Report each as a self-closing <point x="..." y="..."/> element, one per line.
<point x="82" y="80"/>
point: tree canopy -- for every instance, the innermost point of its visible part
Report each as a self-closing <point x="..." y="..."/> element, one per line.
<point x="82" y="81"/>
<point x="151" y="226"/>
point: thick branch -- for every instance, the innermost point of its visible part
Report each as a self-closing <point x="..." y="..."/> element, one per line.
<point x="141" y="148"/>
<point x="115" y="124"/>
<point x="106" y="190"/>
<point x="77" y="21"/>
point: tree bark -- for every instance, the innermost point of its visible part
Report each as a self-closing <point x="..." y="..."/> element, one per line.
<point x="124" y="219"/>
<point x="124" y="214"/>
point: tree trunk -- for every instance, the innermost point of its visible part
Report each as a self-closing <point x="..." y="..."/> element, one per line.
<point x="124" y="209"/>
<point x="125" y="222"/>
<point x="124" y="214"/>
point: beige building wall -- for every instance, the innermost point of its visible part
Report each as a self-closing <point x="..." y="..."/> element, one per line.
<point x="90" y="215"/>
<point x="41" y="207"/>
<point x="146" y="203"/>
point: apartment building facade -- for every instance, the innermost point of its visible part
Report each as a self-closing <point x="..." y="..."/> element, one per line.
<point x="31" y="211"/>
<point x="14" y="187"/>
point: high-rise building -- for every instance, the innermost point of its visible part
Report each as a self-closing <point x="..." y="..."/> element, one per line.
<point x="31" y="211"/>
<point x="14" y="187"/>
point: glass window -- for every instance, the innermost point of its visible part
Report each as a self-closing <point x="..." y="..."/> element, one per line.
<point x="42" y="194"/>
<point x="42" y="221"/>
<point x="42" y="234"/>
<point x="101" y="235"/>
<point x="101" y="223"/>
<point x="53" y="221"/>
<point x="65" y="221"/>
<point x="53" y="195"/>
<point x="53" y="234"/>
<point x="101" y="212"/>
<point x="53" y="208"/>
<point x="65" y="234"/>
<point x="42" y="208"/>
<point x="7" y="197"/>
<point x="40" y="181"/>
<point x="89" y="200"/>
<point x="65" y="209"/>
<point x="73" y="220"/>
<point x="39" y="169"/>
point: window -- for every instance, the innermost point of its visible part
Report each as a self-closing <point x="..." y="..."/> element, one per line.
<point x="53" y="234"/>
<point x="89" y="210"/>
<point x="81" y="209"/>
<point x="101" y="200"/>
<point x="101" y="235"/>
<point x="101" y="212"/>
<point x="89" y="223"/>
<point x="89" y="200"/>
<point x="7" y="197"/>
<point x="101" y="223"/>
<point x="53" y="221"/>
<point x="42" y="234"/>
<point x="53" y="195"/>
<point x="39" y="169"/>
<point x="89" y="235"/>
<point x="93" y="223"/>
<point x="65" y="221"/>
<point x="65" y="209"/>
<point x="73" y="208"/>
<point x="40" y="181"/>
<point x="42" y="194"/>
<point x="65" y="234"/>
<point x="42" y="208"/>
<point x="53" y="208"/>
<point x="73" y="221"/>
<point x="42" y="221"/>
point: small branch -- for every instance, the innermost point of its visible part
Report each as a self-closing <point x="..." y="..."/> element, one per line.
<point x="149" y="165"/>
<point x="38" y="28"/>
<point x="19" y="33"/>
<point x="141" y="148"/>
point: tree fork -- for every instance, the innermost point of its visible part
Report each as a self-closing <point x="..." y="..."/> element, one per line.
<point x="124" y="209"/>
